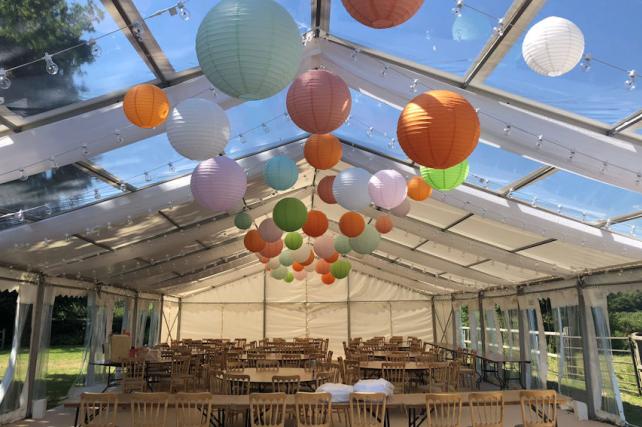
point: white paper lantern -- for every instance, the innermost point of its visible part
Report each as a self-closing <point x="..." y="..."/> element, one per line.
<point x="274" y="263"/>
<point x="350" y="189"/>
<point x="301" y="254"/>
<point x="553" y="46"/>
<point x="198" y="129"/>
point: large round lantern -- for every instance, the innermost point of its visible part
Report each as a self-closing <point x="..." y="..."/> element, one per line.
<point x="323" y="151"/>
<point x="327" y="278"/>
<point x="198" y="129"/>
<point x="316" y="224"/>
<point x="402" y="210"/>
<point x="146" y="106"/>
<point x="351" y="224"/>
<point x="293" y="240"/>
<point x="387" y="188"/>
<point x="286" y="258"/>
<point x="289" y="214"/>
<point x="384" y="224"/>
<point x="350" y="189"/>
<point x="249" y="49"/>
<point x="340" y="269"/>
<point x="382" y="14"/>
<point x="418" y="189"/>
<point x="272" y="249"/>
<point x="253" y="241"/>
<point x="342" y="244"/>
<point x="218" y="184"/>
<point x="279" y="273"/>
<point x="324" y="190"/>
<point x="324" y="246"/>
<point x="553" y="46"/>
<point x="322" y="266"/>
<point x="366" y="242"/>
<point x="280" y="172"/>
<point x="446" y="179"/>
<point x="319" y="101"/>
<point x="269" y="231"/>
<point x="438" y="129"/>
<point x="302" y="254"/>
<point x="242" y="221"/>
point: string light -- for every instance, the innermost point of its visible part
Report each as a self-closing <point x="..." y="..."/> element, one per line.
<point x="5" y="82"/>
<point x="171" y="167"/>
<point x="413" y="85"/>
<point x="182" y="11"/>
<point x="95" y="48"/>
<point x="459" y="5"/>
<point x="384" y="70"/>
<point x="50" y="65"/>
<point x="123" y="187"/>
<point x="630" y="81"/>
<point x="499" y="28"/>
<point x="585" y="65"/>
<point x="355" y="53"/>
<point x="148" y="177"/>
<point x="138" y="30"/>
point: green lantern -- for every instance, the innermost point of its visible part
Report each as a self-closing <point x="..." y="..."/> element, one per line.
<point x="279" y="273"/>
<point x="445" y="179"/>
<point x="293" y="240"/>
<point x="367" y="241"/>
<point x="289" y="277"/>
<point x="340" y="269"/>
<point x="286" y="258"/>
<point x="289" y="214"/>
<point x="243" y="221"/>
<point x="342" y="244"/>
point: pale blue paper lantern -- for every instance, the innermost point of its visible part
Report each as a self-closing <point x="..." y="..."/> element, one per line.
<point x="280" y="173"/>
<point x="366" y="242"/>
<point x="249" y="49"/>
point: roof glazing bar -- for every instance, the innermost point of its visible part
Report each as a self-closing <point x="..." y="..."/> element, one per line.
<point x="536" y="175"/>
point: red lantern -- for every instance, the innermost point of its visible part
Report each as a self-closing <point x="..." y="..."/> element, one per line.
<point x="297" y="266"/>
<point x="316" y="224"/>
<point x="351" y="224"/>
<point x="418" y="189"/>
<point x="324" y="189"/>
<point x="382" y="14"/>
<point x="384" y="224"/>
<point x="327" y="278"/>
<point x="272" y="249"/>
<point x="310" y="259"/>
<point x="253" y="241"/>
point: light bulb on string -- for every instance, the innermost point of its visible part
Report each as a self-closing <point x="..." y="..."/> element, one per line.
<point x="507" y="129"/>
<point x="95" y="48"/>
<point x="171" y="167"/>
<point x="50" y="65"/>
<point x="355" y="53"/>
<point x="5" y="82"/>
<point x="630" y="82"/>
<point x="85" y="150"/>
<point x="148" y="177"/>
<point x="540" y="140"/>
<point x="413" y="85"/>
<point x="242" y="138"/>
<point x="20" y="216"/>
<point x="23" y="176"/>
<point x="119" y="137"/>
<point x="265" y="127"/>
<point x="97" y="194"/>
<point x="384" y="70"/>
<point x="499" y="28"/>
<point x="370" y="132"/>
<point x="138" y="30"/>
<point x="585" y="65"/>
<point x="459" y="5"/>
<point x="391" y="143"/>
<point x="184" y="14"/>
<point x="130" y="220"/>
<point x="123" y="187"/>
<point x="53" y="164"/>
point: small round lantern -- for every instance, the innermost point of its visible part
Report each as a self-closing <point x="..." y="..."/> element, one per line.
<point x="324" y="246"/>
<point x="280" y="173"/>
<point x="323" y="151"/>
<point x="418" y="189"/>
<point x="387" y="188"/>
<point x="342" y="245"/>
<point x="146" y="106"/>
<point x="340" y="269"/>
<point x="402" y="210"/>
<point x="350" y="189"/>
<point x="293" y="240"/>
<point x="242" y="221"/>
<point x="382" y="14"/>
<point x="253" y="241"/>
<point x="324" y="190"/>
<point x="351" y="224"/>
<point x="366" y="242"/>
<point x="272" y="249"/>
<point x="316" y="224"/>
<point x="269" y="231"/>
<point x="446" y="179"/>
<point x="384" y="224"/>
<point x="322" y="267"/>
<point x="218" y="184"/>
<point x="327" y="278"/>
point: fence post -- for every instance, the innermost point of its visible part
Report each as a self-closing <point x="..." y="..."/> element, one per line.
<point x="636" y="368"/>
<point x="587" y="352"/>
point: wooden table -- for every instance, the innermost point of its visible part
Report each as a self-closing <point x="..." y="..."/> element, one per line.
<point x="384" y="354"/>
<point x="376" y="365"/>
<point x="262" y="377"/>
<point x="279" y="356"/>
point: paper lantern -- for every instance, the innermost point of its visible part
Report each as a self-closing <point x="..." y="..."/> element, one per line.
<point x="300" y="275"/>
<point x="309" y="260"/>
<point x="293" y="240"/>
<point x="384" y="224"/>
<point x="290" y="214"/>
<point x="332" y="258"/>
<point x="297" y="266"/>
<point x="286" y="258"/>
<point x="418" y="189"/>
<point x="289" y="278"/>
<point x="280" y="172"/>
<point x="279" y="273"/>
<point x="351" y="224"/>
<point x="253" y="241"/>
<point x="350" y="189"/>
<point x="366" y="242"/>
<point x="324" y="190"/>
<point x="269" y="231"/>
<point x="263" y="259"/>
<point x="316" y="224"/>
<point x="302" y="254"/>
<point x="387" y="188"/>
<point x="242" y="221"/>
<point x="341" y="269"/>
<point x="272" y="249"/>
<point x="198" y="129"/>
<point x="146" y="106"/>
<point x="438" y="129"/>
<point x="402" y="210"/>
<point x="342" y="244"/>
<point x="273" y="263"/>
<point x="318" y="101"/>
<point x="324" y="246"/>
<point x="327" y="278"/>
<point x="322" y="266"/>
<point x="218" y="184"/>
<point x="249" y="49"/>
<point x="382" y="14"/>
<point x="445" y="179"/>
<point x="553" y="46"/>
<point x="309" y="268"/>
<point x="323" y="151"/>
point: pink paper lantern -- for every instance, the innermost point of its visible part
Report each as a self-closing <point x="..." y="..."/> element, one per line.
<point x="324" y="246"/>
<point x="387" y="188"/>
<point x="319" y="101"/>
<point x="402" y="210"/>
<point x="218" y="184"/>
<point x="269" y="231"/>
<point x="300" y="275"/>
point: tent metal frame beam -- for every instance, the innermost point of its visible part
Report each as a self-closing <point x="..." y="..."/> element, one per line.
<point x="103" y="175"/>
<point x="631" y="122"/>
<point x="529" y="179"/>
<point x="320" y="17"/>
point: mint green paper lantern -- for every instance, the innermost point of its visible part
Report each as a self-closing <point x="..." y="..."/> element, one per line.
<point x="289" y="277"/>
<point x="342" y="244"/>
<point x="279" y="273"/>
<point x="366" y="242"/>
<point x="445" y="179"/>
<point x="243" y="221"/>
<point x="280" y="173"/>
<point x="286" y="258"/>
<point x="293" y="240"/>
<point x="249" y="49"/>
<point x="340" y="269"/>
<point x="289" y="214"/>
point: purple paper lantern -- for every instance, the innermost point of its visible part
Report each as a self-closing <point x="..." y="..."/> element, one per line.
<point x="387" y="188"/>
<point x="269" y="231"/>
<point x="218" y="184"/>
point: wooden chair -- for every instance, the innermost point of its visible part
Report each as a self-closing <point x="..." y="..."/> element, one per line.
<point x="193" y="409"/>
<point x="149" y="409"/>
<point x="180" y="375"/>
<point x="367" y="409"/>
<point x="267" y="365"/>
<point x="443" y="410"/>
<point x="486" y="409"/>
<point x="395" y="372"/>
<point x="291" y="361"/>
<point x="216" y="382"/>
<point x="237" y="384"/>
<point x="267" y="409"/>
<point x="98" y="409"/>
<point x="133" y="375"/>
<point x="288" y="384"/>
<point x="453" y="375"/>
<point x="539" y="408"/>
<point x="234" y="365"/>
<point x="398" y="356"/>
<point x="313" y="409"/>
<point x="437" y="377"/>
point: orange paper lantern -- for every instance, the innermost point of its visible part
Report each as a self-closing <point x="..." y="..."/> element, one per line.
<point x="310" y="259"/>
<point x="324" y="189"/>
<point x="253" y="241"/>
<point x="327" y="278"/>
<point x="318" y="101"/>
<point x="384" y="224"/>
<point x="418" y="189"/>
<point x="333" y="258"/>
<point x="263" y="259"/>
<point x="316" y="224"/>
<point x="438" y="129"/>
<point x="351" y="224"/>
<point x="382" y="14"/>
<point x="323" y="151"/>
<point x="322" y="266"/>
<point x="272" y="249"/>
<point x="297" y="266"/>
<point x="146" y="106"/>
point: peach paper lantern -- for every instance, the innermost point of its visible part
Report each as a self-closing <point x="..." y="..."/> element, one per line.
<point x="272" y="249"/>
<point x="146" y="106"/>
<point x="351" y="224"/>
<point x="300" y="275"/>
<point x="438" y="129"/>
<point x="309" y="260"/>
<point x="324" y="190"/>
<point x="322" y="266"/>
<point x="316" y="224"/>
<point x="324" y="246"/>
<point x="382" y="14"/>
<point x="384" y="224"/>
<point x="418" y="189"/>
<point x="327" y="278"/>
<point x="319" y="101"/>
<point x="323" y="151"/>
<point x="333" y="258"/>
<point x="253" y="241"/>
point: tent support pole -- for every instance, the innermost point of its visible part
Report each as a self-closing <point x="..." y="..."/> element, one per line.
<point x="134" y="327"/>
<point x="454" y="321"/>
<point x="349" y="316"/>
<point x="482" y="322"/>
<point x="264" y="305"/>
<point x="34" y="343"/>
<point x="179" y="316"/>
<point x="434" y="320"/>
<point x="160" y="318"/>
<point x="524" y="334"/>
<point x="586" y="349"/>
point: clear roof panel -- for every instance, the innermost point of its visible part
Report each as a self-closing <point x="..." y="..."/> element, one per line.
<point x="178" y="45"/>
<point x="578" y="197"/>
<point x="632" y="228"/>
<point x="434" y="36"/>
<point x="612" y="34"/>
<point x="82" y="74"/>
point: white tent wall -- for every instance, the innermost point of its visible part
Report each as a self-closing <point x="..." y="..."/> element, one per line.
<point x="169" y="319"/>
<point x="444" y="320"/>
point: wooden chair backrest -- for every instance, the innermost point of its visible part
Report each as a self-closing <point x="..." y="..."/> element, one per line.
<point x="98" y="409"/>
<point x="267" y="365"/>
<point x="486" y="409"/>
<point x="288" y="384"/>
<point x="134" y="369"/>
<point x="313" y="409"/>
<point x="443" y="410"/>
<point x="367" y="409"/>
<point x="395" y="372"/>
<point x="539" y="408"/>
<point x="267" y="409"/>
<point x="237" y="384"/>
<point x="149" y="409"/>
<point x="193" y="409"/>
